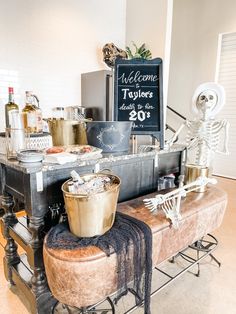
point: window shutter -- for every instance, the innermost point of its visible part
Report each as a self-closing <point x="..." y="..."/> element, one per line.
<point x="225" y="165"/>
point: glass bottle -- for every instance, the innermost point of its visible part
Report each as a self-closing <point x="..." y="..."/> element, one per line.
<point x="39" y="117"/>
<point x="10" y="107"/>
<point x="58" y="113"/>
<point x="30" y="113"/>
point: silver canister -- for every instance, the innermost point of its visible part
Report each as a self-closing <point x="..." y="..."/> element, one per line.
<point x="75" y="113"/>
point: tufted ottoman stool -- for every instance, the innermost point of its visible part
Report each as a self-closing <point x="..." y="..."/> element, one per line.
<point x="85" y="276"/>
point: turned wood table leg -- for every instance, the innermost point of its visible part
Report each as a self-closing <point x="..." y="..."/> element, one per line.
<point x="9" y="219"/>
<point x="38" y="281"/>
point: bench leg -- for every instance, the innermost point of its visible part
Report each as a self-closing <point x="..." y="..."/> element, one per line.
<point x="198" y="265"/>
<point x="58" y="307"/>
<point x="215" y="259"/>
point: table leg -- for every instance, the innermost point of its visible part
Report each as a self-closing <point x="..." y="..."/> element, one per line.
<point x="38" y="281"/>
<point x="43" y="301"/>
<point x="9" y="219"/>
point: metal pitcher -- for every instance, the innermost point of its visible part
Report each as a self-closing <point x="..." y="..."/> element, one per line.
<point x="67" y="132"/>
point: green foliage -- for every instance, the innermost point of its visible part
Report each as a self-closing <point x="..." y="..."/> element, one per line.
<point x="140" y="52"/>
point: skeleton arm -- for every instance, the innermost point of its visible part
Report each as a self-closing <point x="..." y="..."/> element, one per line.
<point x="170" y="202"/>
<point x="159" y="199"/>
<point x="225" y="125"/>
<point x="178" y="200"/>
<point x="171" y="141"/>
<point x="171" y="206"/>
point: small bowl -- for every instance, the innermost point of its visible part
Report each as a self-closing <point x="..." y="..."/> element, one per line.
<point x="30" y="155"/>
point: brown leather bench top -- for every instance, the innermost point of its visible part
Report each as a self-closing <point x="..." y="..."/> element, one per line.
<point x="86" y="276"/>
<point x="191" y="205"/>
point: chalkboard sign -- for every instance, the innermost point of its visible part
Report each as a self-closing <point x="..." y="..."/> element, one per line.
<point x="138" y="95"/>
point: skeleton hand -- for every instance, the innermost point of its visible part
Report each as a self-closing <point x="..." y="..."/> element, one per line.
<point x="152" y="203"/>
<point x="170" y="210"/>
<point x="225" y="151"/>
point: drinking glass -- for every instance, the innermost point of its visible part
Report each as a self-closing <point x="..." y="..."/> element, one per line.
<point x="16" y="139"/>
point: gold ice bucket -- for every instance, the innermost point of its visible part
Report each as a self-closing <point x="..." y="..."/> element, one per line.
<point x="94" y="214"/>
<point x="67" y="132"/>
<point x="192" y="172"/>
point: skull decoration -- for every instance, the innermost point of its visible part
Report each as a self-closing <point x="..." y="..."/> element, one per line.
<point x="111" y="53"/>
<point x="206" y="101"/>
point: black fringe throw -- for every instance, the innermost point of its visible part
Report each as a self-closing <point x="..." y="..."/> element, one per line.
<point x="131" y="240"/>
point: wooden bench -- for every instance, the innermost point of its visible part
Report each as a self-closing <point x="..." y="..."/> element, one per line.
<point x="83" y="277"/>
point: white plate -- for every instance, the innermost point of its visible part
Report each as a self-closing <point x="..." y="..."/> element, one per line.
<point x="30" y="155"/>
<point x="83" y="151"/>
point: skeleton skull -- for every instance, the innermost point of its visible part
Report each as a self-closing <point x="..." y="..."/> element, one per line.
<point x="111" y="53"/>
<point x="206" y="101"/>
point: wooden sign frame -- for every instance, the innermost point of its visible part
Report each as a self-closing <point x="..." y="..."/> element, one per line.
<point x="138" y="96"/>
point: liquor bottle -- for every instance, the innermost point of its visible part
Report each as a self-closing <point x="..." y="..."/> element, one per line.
<point x="39" y="118"/>
<point x="30" y="113"/>
<point x="10" y="107"/>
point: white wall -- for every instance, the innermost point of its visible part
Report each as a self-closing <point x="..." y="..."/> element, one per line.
<point x="46" y="45"/>
<point x="147" y="22"/>
<point x="196" y="26"/>
<point x="195" y="29"/>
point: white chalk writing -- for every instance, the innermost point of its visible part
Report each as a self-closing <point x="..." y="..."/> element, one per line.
<point x="137" y="77"/>
<point x="136" y="94"/>
<point x="139" y="115"/>
<point x="127" y="107"/>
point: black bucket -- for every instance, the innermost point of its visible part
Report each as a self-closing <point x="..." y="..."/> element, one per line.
<point x="110" y="136"/>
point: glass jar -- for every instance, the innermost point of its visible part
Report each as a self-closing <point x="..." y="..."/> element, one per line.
<point x="58" y="113"/>
<point x="75" y="113"/>
<point x="16" y="140"/>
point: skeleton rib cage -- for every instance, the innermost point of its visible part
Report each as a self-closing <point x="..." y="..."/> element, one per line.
<point x="204" y="137"/>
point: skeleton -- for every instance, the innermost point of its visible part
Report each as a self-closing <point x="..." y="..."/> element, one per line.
<point x="170" y="202"/>
<point x="111" y="53"/>
<point x="204" y="133"/>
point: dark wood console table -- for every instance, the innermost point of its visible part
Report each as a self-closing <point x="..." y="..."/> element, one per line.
<point x="38" y="186"/>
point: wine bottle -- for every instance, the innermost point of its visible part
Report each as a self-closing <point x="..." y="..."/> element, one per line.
<point x="29" y="113"/>
<point x="10" y="107"/>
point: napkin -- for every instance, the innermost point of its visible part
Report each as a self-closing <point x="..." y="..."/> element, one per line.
<point x="60" y="158"/>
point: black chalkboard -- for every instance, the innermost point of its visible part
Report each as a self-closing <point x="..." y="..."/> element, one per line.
<point x="139" y="95"/>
